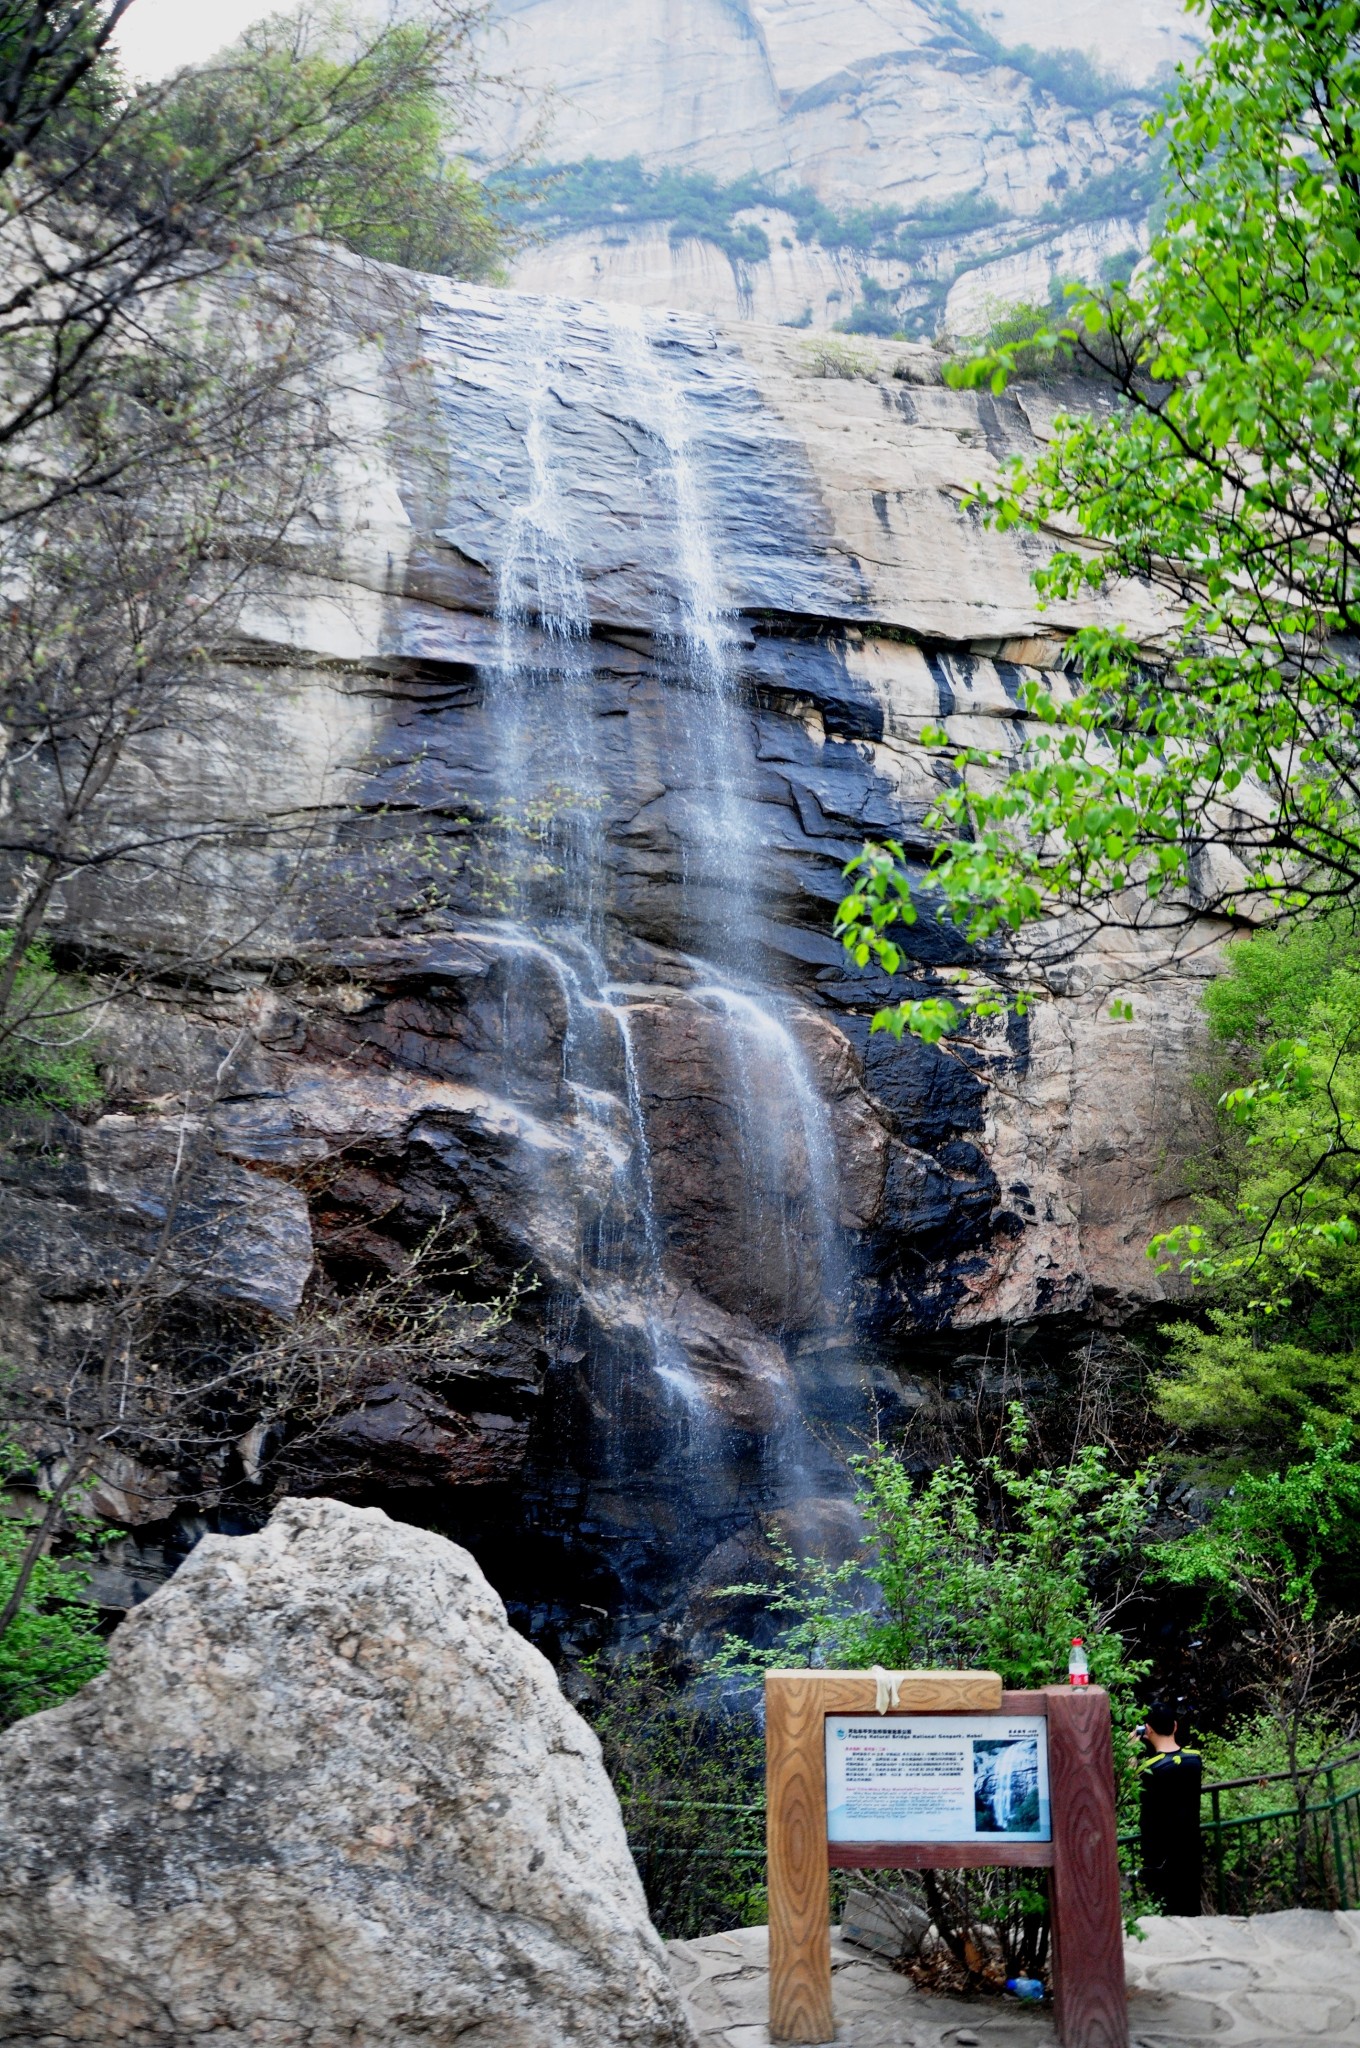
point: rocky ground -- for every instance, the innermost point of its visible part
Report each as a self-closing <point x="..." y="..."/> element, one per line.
<point x="1279" y="1980"/>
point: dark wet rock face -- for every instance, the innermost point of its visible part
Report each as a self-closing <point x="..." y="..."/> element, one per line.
<point x="594" y="709"/>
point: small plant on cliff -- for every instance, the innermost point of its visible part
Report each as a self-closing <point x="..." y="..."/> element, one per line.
<point x="827" y="357"/>
<point x="46" y="1060"/>
<point x="386" y="184"/>
<point x="53" y="1645"/>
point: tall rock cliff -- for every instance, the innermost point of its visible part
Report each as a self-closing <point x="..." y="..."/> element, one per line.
<point x="902" y="165"/>
<point x="531" y="781"/>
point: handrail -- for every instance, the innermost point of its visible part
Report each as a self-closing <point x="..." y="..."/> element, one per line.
<point x="1334" y="1763"/>
<point x="1330" y="1825"/>
<point x="1309" y="1773"/>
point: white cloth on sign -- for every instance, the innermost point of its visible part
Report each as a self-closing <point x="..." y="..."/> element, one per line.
<point x="887" y="1688"/>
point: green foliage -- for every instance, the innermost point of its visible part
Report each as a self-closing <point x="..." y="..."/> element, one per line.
<point x="1070" y="76"/>
<point x="828" y="357"/>
<point x="1274" y="1236"/>
<point x="684" y="1771"/>
<point x="1026" y="332"/>
<point x="1228" y="478"/>
<point x="386" y="185"/>
<point x="1253" y="1746"/>
<point x="45" y="1056"/>
<point x="1293" y="1530"/>
<point x="564" y="198"/>
<point x="53" y="1646"/>
<point x="996" y="1567"/>
<point x="57" y="76"/>
<point x="1276" y="1559"/>
<point x="1256" y="1384"/>
<point x="876" y="312"/>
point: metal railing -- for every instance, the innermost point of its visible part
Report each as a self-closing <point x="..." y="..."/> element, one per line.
<point x="1304" y="1850"/>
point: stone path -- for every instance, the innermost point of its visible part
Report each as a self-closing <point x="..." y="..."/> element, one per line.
<point x="1279" y="1980"/>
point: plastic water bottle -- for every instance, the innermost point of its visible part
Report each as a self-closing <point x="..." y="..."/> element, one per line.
<point x="1027" y="1988"/>
<point x="1078" y="1670"/>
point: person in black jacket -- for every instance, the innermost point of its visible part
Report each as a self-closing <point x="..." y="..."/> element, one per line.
<point x="1170" y="1778"/>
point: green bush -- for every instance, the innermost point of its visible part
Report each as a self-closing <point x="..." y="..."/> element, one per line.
<point x="1254" y="1747"/>
<point x="1274" y="1246"/>
<point x="46" y="1061"/>
<point x="998" y="1567"/>
<point x="53" y="1646"/>
<point x="827" y="357"/>
<point x="995" y="1567"/>
<point x="685" y="1772"/>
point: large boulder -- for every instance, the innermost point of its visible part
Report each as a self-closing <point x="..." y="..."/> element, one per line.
<point x="324" y="1795"/>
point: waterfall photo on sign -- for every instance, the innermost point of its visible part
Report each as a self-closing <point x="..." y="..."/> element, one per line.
<point x="1006" y="1786"/>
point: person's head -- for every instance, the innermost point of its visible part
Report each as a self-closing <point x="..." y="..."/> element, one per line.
<point x="1161" y="1719"/>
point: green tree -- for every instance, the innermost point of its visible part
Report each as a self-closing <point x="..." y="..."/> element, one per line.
<point x="52" y="56"/>
<point x="167" y="334"/>
<point x="53" y="1645"/>
<point x="319" y="122"/>
<point x="386" y="184"/>
<point x="1273" y="1243"/>
<point x="1276" y="1556"/>
<point x="1221" y="770"/>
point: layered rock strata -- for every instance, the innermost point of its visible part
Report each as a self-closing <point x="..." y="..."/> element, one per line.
<point x="1008" y="175"/>
<point x="620" y="644"/>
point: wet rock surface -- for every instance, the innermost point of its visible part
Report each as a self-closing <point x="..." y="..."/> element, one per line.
<point x="620" y="646"/>
<point x="323" y="1794"/>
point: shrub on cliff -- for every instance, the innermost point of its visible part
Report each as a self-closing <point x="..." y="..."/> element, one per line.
<point x="1273" y="1246"/>
<point x="997" y="1566"/>
<point x="46" y="1061"/>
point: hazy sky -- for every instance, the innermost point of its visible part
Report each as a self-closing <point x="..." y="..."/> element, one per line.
<point x="159" y="35"/>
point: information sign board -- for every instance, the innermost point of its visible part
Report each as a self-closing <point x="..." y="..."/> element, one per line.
<point x="942" y="1770"/>
<point x="937" y="1778"/>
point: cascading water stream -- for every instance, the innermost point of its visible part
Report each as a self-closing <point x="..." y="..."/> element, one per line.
<point x="760" y="1039"/>
<point x="554" y="786"/>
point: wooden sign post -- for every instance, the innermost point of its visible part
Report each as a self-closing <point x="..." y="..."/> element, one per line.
<point x="1067" y="1825"/>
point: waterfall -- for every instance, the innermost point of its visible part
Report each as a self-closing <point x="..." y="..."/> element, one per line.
<point x="559" y="762"/>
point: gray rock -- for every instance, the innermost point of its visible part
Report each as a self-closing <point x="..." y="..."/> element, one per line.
<point x="729" y="1232"/>
<point x="323" y="1795"/>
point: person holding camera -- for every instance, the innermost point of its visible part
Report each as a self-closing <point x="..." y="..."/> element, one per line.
<point x="1170" y="1778"/>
